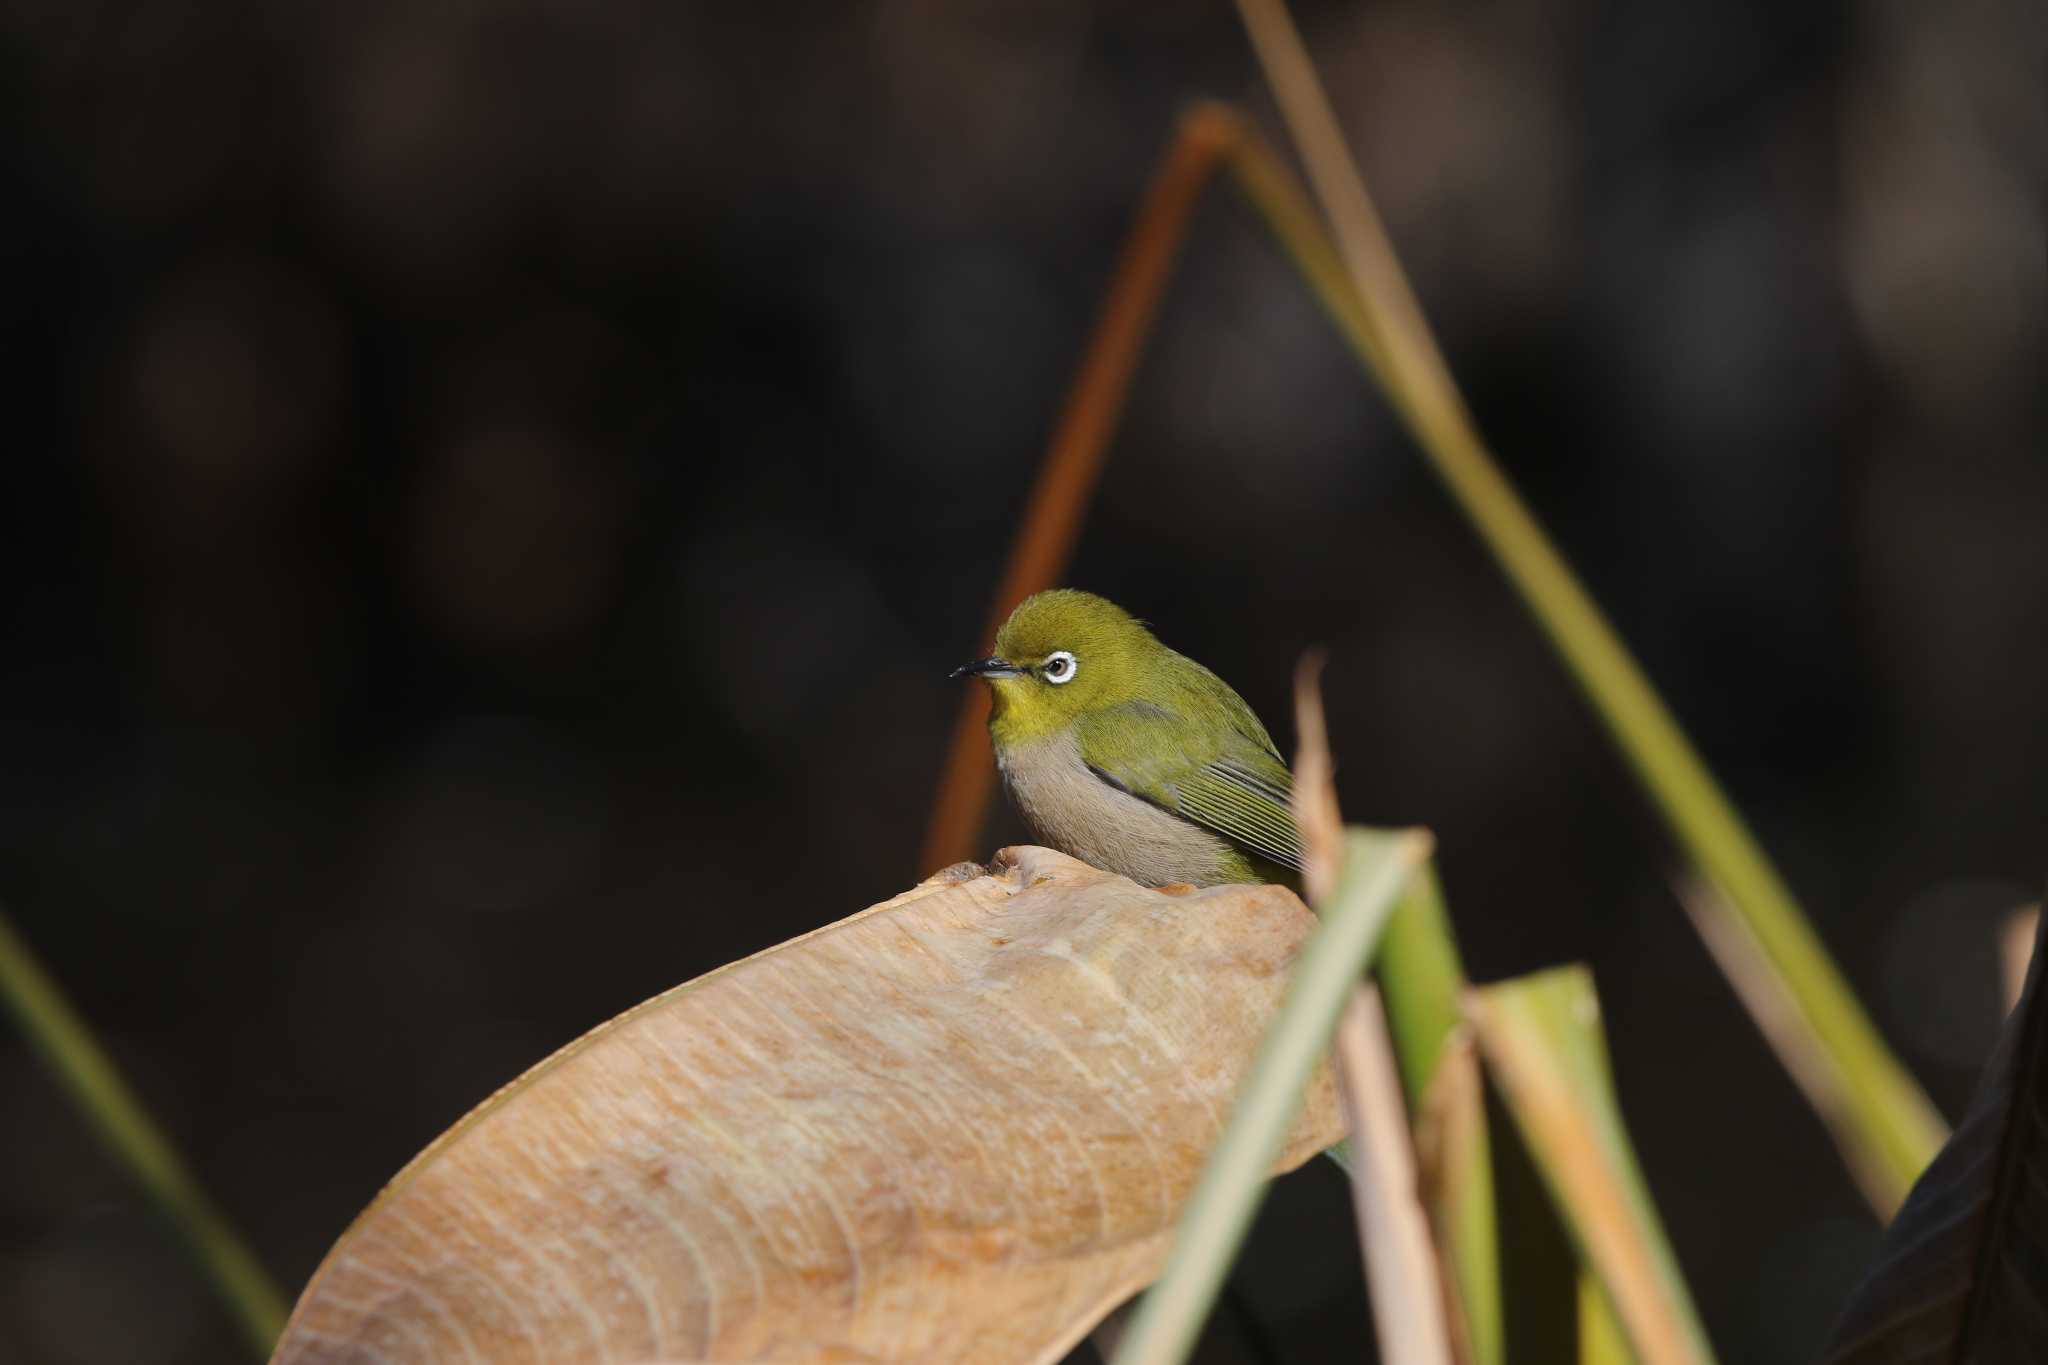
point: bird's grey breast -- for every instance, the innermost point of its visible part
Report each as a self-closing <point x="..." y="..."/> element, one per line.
<point x="1072" y="809"/>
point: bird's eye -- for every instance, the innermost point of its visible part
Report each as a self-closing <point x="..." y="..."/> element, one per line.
<point x="1059" y="667"/>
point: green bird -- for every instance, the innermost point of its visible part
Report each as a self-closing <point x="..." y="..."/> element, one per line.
<point x="1132" y="757"/>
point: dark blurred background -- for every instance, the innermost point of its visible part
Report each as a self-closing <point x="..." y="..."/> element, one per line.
<point x="492" y="493"/>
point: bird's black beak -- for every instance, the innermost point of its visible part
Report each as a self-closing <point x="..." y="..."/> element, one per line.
<point x="990" y="667"/>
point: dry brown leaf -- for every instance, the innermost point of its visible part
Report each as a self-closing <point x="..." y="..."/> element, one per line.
<point x="956" y="1126"/>
<point x="1961" y="1275"/>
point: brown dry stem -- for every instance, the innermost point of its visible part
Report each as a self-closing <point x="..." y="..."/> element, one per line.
<point x="1052" y="517"/>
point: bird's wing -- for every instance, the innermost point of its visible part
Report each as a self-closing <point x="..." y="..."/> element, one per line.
<point x="1234" y="785"/>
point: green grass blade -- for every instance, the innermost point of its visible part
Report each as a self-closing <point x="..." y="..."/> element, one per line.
<point x="1543" y="1044"/>
<point x="1376" y="866"/>
<point x="1360" y="283"/>
<point x="1600" y="1338"/>
<point x="83" y="1068"/>
<point x="1423" y="983"/>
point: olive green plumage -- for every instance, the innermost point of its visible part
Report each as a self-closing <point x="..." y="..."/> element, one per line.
<point x="1131" y="756"/>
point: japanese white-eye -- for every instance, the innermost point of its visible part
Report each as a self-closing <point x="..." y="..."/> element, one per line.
<point x="1132" y="757"/>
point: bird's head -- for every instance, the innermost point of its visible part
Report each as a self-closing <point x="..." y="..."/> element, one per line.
<point x="1062" y="654"/>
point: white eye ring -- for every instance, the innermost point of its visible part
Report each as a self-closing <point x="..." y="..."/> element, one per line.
<point x="1059" y="667"/>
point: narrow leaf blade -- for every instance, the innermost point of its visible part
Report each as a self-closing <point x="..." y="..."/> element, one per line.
<point x="1542" y="1041"/>
<point x="1376" y="866"/>
<point x="1406" y="1271"/>
<point x="1600" y="1338"/>
<point x="1354" y="273"/>
<point x="1423" y="980"/>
